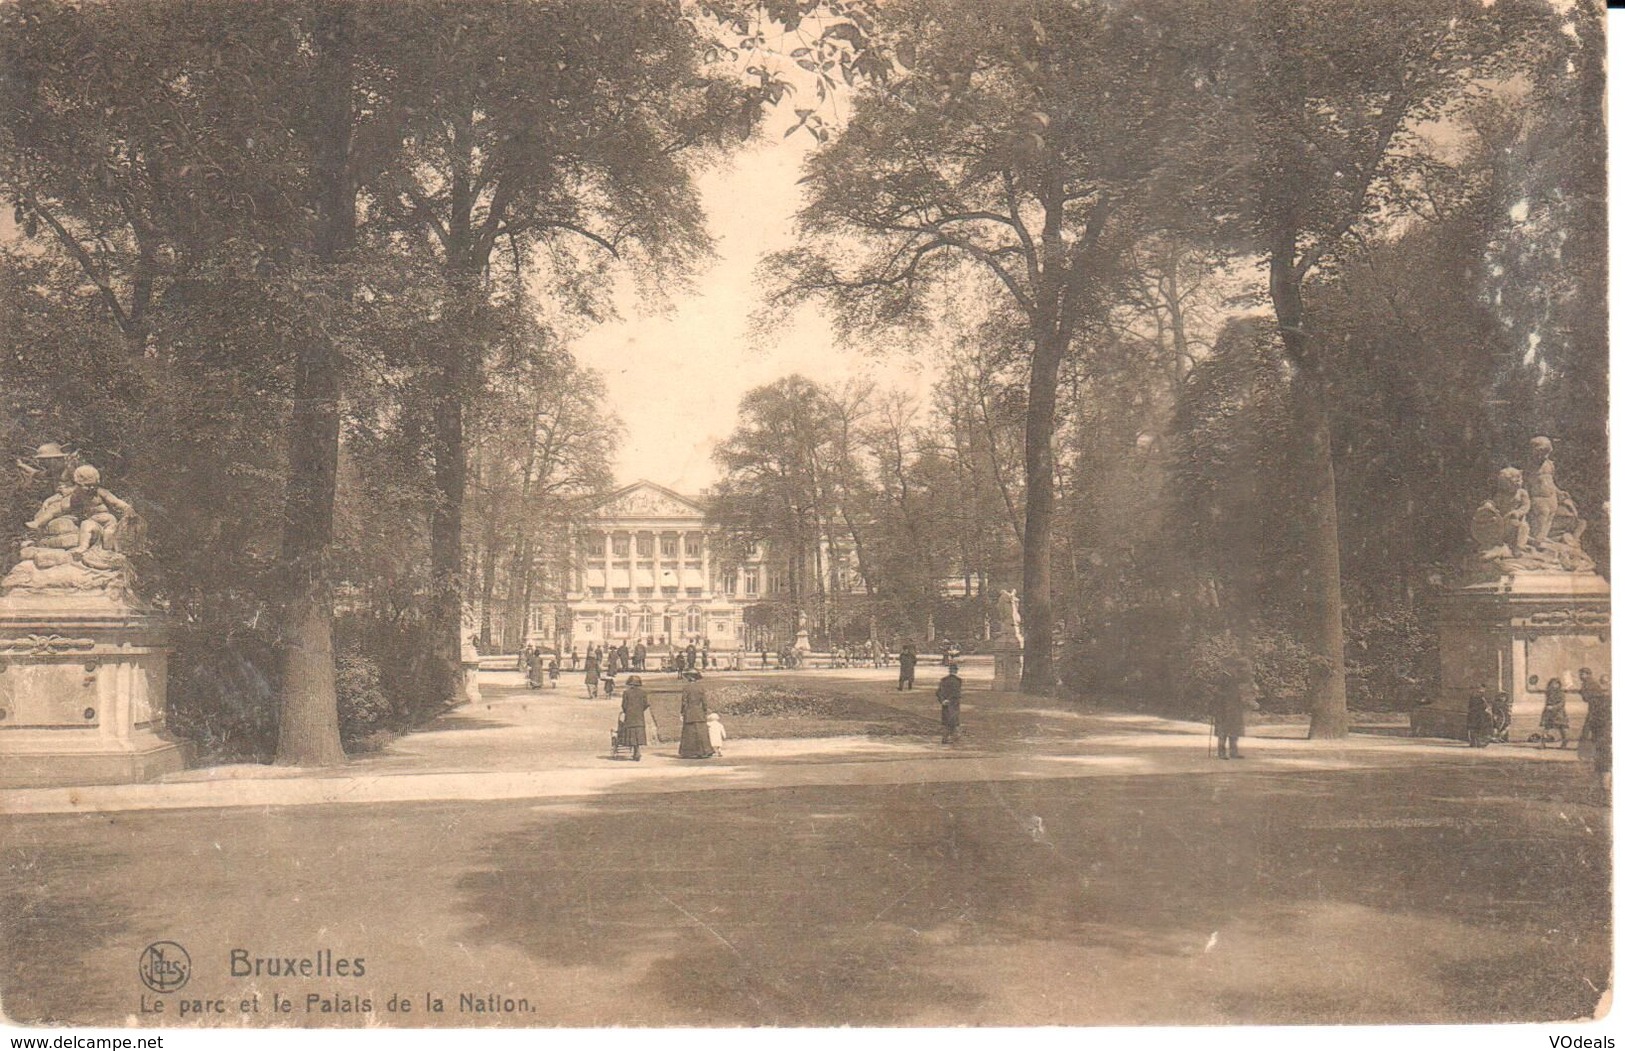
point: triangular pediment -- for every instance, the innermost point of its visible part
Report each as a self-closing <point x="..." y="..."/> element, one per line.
<point x="645" y="499"/>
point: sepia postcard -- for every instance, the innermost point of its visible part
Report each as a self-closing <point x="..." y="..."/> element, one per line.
<point x="1081" y="516"/>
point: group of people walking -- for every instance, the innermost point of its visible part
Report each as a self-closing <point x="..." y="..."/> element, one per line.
<point x="1489" y="719"/>
<point x="702" y="733"/>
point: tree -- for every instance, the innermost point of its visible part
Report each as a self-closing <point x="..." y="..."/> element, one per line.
<point x="176" y="173"/>
<point x="542" y="444"/>
<point x="778" y="488"/>
<point x="530" y="125"/>
<point x="993" y="165"/>
<point x="1320" y="104"/>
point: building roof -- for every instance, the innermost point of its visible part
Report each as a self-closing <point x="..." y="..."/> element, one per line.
<point x="646" y="499"/>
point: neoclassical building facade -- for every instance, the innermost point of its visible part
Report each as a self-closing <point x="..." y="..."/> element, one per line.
<point x="645" y="568"/>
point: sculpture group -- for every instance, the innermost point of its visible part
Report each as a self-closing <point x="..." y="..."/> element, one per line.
<point x="1529" y="525"/>
<point x="75" y="544"/>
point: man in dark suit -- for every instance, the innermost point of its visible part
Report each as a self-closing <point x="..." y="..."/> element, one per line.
<point x="905" y="667"/>
<point x="949" y="691"/>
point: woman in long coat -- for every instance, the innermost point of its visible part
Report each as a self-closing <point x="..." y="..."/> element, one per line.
<point x="696" y="741"/>
<point x="634" y="705"/>
<point x="1238" y="695"/>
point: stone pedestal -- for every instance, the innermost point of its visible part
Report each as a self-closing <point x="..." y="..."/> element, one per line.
<point x="1007" y="662"/>
<point x="803" y="644"/>
<point x="82" y="692"/>
<point x="1511" y="635"/>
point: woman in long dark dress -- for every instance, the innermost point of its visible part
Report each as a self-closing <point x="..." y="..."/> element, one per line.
<point x="696" y="741"/>
<point x="634" y="705"/>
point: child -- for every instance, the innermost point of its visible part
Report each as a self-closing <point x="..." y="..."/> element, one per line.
<point x="716" y="732"/>
<point x="553" y="673"/>
<point x="1501" y="718"/>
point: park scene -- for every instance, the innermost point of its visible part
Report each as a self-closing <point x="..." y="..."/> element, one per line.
<point x="732" y="513"/>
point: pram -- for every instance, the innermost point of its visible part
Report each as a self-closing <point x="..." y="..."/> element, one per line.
<point x="652" y="732"/>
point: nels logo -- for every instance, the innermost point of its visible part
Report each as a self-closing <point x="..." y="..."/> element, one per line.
<point x="164" y="967"/>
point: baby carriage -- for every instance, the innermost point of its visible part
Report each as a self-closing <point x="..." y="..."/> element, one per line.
<point x="618" y="738"/>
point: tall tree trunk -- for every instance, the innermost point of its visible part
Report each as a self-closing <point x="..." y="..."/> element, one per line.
<point x="308" y="733"/>
<point x="455" y="366"/>
<point x="1323" y="584"/>
<point x="1038" y="612"/>
<point x="446" y="520"/>
<point x="516" y="626"/>
<point x="488" y="582"/>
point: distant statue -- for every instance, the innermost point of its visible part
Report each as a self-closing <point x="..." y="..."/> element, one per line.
<point x="1009" y="612"/>
<point x="1529" y="530"/>
<point x="74" y="544"/>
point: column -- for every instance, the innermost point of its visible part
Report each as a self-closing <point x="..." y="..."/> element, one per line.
<point x="705" y="564"/>
<point x="659" y="593"/>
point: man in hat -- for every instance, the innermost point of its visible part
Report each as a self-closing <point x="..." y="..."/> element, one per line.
<point x="1238" y="695"/>
<point x="905" y="667"/>
<point x="949" y="691"/>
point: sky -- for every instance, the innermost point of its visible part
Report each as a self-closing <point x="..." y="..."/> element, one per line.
<point x="676" y="378"/>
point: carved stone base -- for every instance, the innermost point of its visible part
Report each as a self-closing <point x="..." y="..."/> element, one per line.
<point x="1504" y="633"/>
<point x="82" y="689"/>
<point x="1007" y="663"/>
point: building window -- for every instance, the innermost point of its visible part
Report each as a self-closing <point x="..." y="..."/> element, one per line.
<point x="621" y="622"/>
<point x="646" y="545"/>
<point x="753" y="582"/>
<point x="646" y="621"/>
<point x="693" y="624"/>
<point x="668" y="546"/>
<point x="730" y="582"/>
<point x="597" y="592"/>
<point x="691" y="544"/>
<point x="622" y="544"/>
<point x="695" y="592"/>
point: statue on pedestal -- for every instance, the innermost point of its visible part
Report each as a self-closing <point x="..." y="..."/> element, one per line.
<point x="1007" y="644"/>
<point x="1009" y="615"/>
<point x="85" y="660"/>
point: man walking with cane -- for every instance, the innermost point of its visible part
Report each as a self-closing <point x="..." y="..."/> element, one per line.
<point x="1239" y="696"/>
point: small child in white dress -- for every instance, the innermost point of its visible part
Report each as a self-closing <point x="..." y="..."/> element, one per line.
<point x="715" y="730"/>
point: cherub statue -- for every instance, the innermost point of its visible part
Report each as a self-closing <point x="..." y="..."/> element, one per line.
<point x="92" y="510"/>
<point x="1503" y="519"/>
<point x="73" y="545"/>
<point x="1554" y="521"/>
